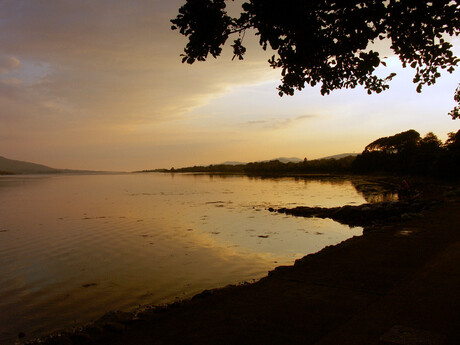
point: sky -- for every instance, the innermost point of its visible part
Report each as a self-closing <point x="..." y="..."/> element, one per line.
<point x="100" y="85"/>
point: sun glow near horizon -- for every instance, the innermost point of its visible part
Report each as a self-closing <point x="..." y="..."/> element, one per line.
<point x="98" y="87"/>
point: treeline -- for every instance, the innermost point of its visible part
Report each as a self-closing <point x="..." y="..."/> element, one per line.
<point x="276" y="167"/>
<point x="407" y="153"/>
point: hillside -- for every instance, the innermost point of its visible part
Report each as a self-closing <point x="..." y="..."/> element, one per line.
<point x="290" y="159"/>
<point x="20" y="167"/>
<point x="281" y="159"/>
<point x="11" y="166"/>
<point x="342" y="155"/>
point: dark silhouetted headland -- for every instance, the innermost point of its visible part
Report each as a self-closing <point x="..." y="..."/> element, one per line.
<point x="11" y="166"/>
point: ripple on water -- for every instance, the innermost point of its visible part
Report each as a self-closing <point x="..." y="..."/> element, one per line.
<point x="78" y="246"/>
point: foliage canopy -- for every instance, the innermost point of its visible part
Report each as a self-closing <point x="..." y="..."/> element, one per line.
<point x="327" y="41"/>
<point x="408" y="153"/>
<point x="396" y="143"/>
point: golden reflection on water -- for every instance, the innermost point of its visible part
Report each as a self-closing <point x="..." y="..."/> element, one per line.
<point x="74" y="247"/>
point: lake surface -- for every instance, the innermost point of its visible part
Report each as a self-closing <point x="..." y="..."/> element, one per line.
<point x="73" y="247"/>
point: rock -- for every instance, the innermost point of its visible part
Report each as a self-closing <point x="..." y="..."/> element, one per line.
<point x="89" y="285"/>
<point x="363" y="215"/>
<point x="406" y="216"/>
<point x="114" y="327"/>
<point x="93" y="330"/>
<point x="81" y="338"/>
<point x="204" y="293"/>
<point x="115" y="316"/>
<point x="59" y="340"/>
<point x="399" y="335"/>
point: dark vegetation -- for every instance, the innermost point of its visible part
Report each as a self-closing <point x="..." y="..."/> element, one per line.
<point x="329" y="43"/>
<point x="275" y="167"/>
<point x="405" y="153"/>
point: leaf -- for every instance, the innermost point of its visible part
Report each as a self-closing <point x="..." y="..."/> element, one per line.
<point x="325" y="41"/>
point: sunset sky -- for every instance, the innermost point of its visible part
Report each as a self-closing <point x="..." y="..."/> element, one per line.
<point x="100" y="85"/>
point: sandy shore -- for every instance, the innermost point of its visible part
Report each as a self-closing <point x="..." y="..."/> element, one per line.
<point x="397" y="284"/>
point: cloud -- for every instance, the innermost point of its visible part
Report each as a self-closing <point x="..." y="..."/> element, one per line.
<point x="8" y="63"/>
<point x="84" y="78"/>
<point x="278" y="122"/>
<point x="105" y="64"/>
<point x="256" y="122"/>
<point x="116" y="61"/>
<point x="11" y="81"/>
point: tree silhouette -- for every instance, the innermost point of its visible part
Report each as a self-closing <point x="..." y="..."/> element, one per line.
<point x="327" y="41"/>
<point x="408" y="153"/>
<point x="455" y="113"/>
<point x="397" y="143"/>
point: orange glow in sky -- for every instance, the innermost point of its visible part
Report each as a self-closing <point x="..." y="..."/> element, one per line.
<point x="100" y="85"/>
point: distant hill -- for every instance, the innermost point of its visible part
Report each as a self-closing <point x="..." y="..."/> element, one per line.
<point x="291" y="159"/>
<point x="232" y="163"/>
<point x="281" y="159"/>
<point x="280" y="166"/>
<point x="286" y="160"/>
<point x="11" y="166"/>
<point x="20" y="167"/>
<point x="342" y="155"/>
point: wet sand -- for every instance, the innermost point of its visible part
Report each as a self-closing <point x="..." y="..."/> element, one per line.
<point x="395" y="284"/>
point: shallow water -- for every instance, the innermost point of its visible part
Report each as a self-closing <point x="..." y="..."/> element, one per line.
<point x="73" y="247"/>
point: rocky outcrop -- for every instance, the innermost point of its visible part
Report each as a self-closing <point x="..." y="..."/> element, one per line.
<point x="362" y="215"/>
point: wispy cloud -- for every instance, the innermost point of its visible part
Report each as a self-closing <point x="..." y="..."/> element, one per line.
<point x="8" y="63"/>
<point x="256" y="122"/>
<point x="80" y="66"/>
<point x="278" y="122"/>
<point x="83" y="80"/>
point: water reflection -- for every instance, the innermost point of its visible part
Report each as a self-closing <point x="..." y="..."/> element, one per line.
<point x="74" y="247"/>
<point x="372" y="191"/>
<point x="375" y="192"/>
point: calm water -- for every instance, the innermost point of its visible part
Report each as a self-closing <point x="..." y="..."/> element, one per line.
<point x="75" y="247"/>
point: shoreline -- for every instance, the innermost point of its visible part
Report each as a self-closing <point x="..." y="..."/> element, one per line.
<point x="361" y="291"/>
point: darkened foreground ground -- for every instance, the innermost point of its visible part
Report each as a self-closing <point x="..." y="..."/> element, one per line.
<point x="397" y="284"/>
